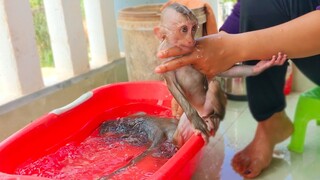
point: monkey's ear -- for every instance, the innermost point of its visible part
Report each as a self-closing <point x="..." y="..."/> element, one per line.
<point x="158" y="33"/>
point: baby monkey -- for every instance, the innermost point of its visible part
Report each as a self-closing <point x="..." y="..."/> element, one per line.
<point x="201" y="99"/>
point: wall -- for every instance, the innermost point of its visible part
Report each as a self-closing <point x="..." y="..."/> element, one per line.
<point x="19" y="113"/>
<point x="300" y="82"/>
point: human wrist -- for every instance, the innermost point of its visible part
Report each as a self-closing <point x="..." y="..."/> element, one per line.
<point x="235" y="44"/>
<point x="251" y="45"/>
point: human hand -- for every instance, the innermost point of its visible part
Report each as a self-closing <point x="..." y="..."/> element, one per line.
<point x="211" y="55"/>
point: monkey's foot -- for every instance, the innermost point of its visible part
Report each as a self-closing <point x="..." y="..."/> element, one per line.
<point x="200" y="126"/>
<point x="205" y="137"/>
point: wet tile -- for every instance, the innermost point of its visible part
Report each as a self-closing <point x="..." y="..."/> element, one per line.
<point x="237" y="106"/>
<point x="238" y="129"/>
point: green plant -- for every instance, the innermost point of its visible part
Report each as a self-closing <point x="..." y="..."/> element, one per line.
<point x="224" y="1"/>
<point x="42" y="35"/>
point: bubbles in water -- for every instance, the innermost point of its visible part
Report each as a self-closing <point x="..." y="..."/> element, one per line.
<point x="166" y="149"/>
<point x="107" y="149"/>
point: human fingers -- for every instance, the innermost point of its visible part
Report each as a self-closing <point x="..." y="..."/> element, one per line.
<point x="172" y="52"/>
<point x="174" y="64"/>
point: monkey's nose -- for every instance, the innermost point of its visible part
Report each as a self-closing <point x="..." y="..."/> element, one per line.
<point x="191" y="43"/>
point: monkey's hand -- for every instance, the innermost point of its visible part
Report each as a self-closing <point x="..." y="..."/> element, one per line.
<point x="275" y="61"/>
<point x="183" y="132"/>
<point x="200" y="127"/>
<point x="176" y="109"/>
<point x="213" y="122"/>
<point x="214" y="108"/>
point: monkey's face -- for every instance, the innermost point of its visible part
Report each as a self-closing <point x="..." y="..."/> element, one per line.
<point x="180" y="31"/>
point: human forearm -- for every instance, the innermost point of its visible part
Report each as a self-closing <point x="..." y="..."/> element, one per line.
<point x="297" y="38"/>
<point x="216" y="53"/>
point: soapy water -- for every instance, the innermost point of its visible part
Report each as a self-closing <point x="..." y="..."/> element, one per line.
<point x="100" y="154"/>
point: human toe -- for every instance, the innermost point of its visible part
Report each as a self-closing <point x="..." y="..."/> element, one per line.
<point x="240" y="162"/>
<point x="253" y="170"/>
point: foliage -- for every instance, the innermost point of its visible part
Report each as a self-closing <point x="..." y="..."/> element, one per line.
<point x="42" y="35"/>
<point x="224" y="1"/>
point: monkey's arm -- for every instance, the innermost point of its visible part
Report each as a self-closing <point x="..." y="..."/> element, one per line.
<point x="275" y="61"/>
<point x="246" y="70"/>
<point x="215" y="105"/>
<point x="238" y="71"/>
<point x="177" y="92"/>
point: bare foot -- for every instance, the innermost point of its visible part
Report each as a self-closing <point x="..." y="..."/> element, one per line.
<point x="258" y="154"/>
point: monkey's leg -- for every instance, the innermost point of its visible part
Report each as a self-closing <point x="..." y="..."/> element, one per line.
<point x="177" y="92"/>
<point x="215" y="105"/>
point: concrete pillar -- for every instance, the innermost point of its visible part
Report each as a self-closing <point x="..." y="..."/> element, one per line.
<point x="67" y="37"/>
<point x="102" y="31"/>
<point x="19" y="60"/>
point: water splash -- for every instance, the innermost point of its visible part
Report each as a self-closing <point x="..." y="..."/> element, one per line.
<point x="101" y="154"/>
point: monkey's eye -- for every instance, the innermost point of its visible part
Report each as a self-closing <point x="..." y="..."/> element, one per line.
<point x="194" y="28"/>
<point x="184" y="29"/>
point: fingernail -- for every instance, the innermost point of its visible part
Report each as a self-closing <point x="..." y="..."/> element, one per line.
<point x="157" y="69"/>
<point x="160" y="54"/>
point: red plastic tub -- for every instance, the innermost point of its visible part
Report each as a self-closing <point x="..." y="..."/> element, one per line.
<point x="77" y="120"/>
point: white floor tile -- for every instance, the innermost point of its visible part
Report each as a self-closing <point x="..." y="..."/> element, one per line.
<point x="237" y="130"/>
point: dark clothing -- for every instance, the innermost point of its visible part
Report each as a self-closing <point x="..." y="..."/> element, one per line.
<point x="265" y="91"/>
<point x="232" y="23"/>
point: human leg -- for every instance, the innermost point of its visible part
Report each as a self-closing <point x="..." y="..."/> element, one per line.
<point x="310" y="67"/>
<point x="257" y="156"/>
<point x="267" y="103"/>
<point x="265" y="92"/>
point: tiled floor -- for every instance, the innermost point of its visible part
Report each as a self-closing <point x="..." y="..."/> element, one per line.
<point x="236" y="132"/>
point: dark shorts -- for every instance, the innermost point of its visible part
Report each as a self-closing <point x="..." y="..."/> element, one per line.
<point x="265" y="91"/>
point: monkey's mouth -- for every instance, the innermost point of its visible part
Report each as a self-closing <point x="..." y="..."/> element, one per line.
<point x="186" y="47"/>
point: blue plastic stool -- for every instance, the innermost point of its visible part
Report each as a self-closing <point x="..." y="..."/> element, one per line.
<point x="308" y="108"/>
